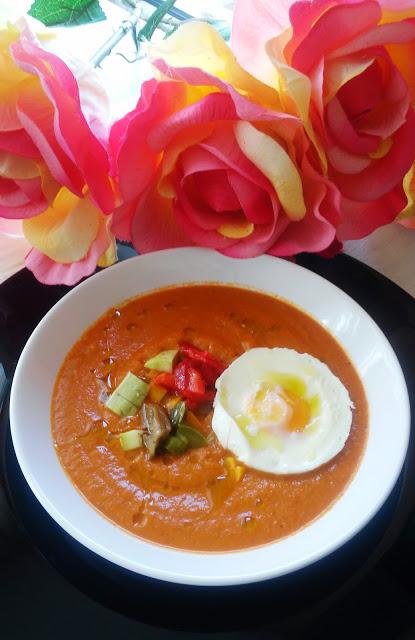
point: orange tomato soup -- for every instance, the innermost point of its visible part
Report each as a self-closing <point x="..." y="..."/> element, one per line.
<point x="188" y="501"/>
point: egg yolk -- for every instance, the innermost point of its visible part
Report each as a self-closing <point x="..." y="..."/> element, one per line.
<point x="301" y="413"/>
<point x="274" y="405"/>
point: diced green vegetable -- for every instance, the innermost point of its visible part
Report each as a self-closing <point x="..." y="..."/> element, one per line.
<point x="194" y="438"/>
<point x="119" y="405"/>
<point x="133" y="389"/>
<point x="128" y="396"/>
<point x="131" y="440"/>
<point x="176" y="444"/>
<point x="163" y="361"/>
<point x="177" y="413"/>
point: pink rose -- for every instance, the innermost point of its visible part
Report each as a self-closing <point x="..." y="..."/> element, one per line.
<point x="209" y="157"/>
<point x="407" y="217"/>
<point x="54" y="171"/>
<point x="21" y="166"/>
<point x="347" y="68"/>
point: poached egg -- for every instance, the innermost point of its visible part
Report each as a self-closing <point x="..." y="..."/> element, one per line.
<point x="281" y="411"/>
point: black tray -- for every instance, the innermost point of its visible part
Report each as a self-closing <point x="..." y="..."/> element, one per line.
<point x="53" y="586"/>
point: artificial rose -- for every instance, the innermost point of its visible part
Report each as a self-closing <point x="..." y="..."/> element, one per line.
<point x="346" y="67"/>
<point x="407" y="216"/>
<point x="209" y="157"/>
<point x="21" y="167"/>
<point x="53" y="169"/>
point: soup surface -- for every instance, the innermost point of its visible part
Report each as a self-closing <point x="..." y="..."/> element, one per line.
<point x="188" y="501"/>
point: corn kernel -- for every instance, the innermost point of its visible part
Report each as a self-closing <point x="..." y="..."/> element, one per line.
<point x="238" y="473"/>
<point x="230" y="463"/>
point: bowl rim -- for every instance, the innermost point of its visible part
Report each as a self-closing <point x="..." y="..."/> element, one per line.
<point x="178" y="576"/>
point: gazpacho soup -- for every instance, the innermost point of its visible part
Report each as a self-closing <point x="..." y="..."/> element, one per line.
<point x="209" y="417"/>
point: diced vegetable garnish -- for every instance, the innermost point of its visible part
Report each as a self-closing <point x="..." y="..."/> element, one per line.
<point x="221" y="490"/>
<point x="156" y="393"/>
<point x="192" y="420"/>
<point x="171" y="402"/>
<point x="235" y="471"/>
<point x="190" y="376"/>
<point x="133" y="389"/>
<point x="163" y="361"/>
<point x="194" y="438"/>
<point x="165" y="380"/>
<point x="210" y="374"/>
<point x="157" y="423"/>
<point x="208" y="365"/>
<point x="129" y="394"/>
<point x="209" y="396"/>
<point x="230" y="463"/>
<point x="186" y="381"/>
<point x="189" y="382"/>
<point x="192" y="404"/>
<point x="177" y="413"/>
<point x="238" y="473"/>
<point x="176" y="444"/>
<point x="131" y="440"/>
<point x="119" y="405"/>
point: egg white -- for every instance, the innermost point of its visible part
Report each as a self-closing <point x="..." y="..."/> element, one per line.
<point x="265" y="443"/>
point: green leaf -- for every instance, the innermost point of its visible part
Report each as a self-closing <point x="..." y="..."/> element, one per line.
<point x="66" y="13"/>
<point x="154" y="20"/>
<point x="170" y="33"/>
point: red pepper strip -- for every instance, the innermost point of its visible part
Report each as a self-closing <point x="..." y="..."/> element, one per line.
<point x="165" y="380"/>
<point x="189" y="351"/>
<point x="209" y="373"/>
<point x="193" y="405"/>
<point x="189" y="382"/>
<point x="210" y="367"/>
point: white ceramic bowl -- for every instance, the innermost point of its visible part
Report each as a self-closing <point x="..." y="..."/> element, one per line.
<point x="371" y="353"/>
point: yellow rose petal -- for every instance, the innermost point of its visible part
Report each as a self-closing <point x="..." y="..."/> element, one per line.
<point x="236" y="230"/>
<point x="66" y="230"/>
<point x="17" y="168"/>
<point x="382" y="149"/>
<point x="110" y="256"/>
<point x="198" y="44"/>
<point x="50" y="187"/>
<point x="338" y="72"/>
<point x="397" y="15"/>
<point x="275" y="163"/>
<point x="295" y="91"/>
<point x="65" y="201"/>
<point x="402" y="58"/>
<point x="409" y="188"/>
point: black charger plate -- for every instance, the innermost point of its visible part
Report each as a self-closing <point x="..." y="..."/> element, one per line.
<point x="366" y="587"/>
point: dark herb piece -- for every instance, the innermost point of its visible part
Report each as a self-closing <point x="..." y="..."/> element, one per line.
<point x="157" y="424"/>
<point x="176" y="444"/>
<point x="177" y="413"/>
<point x="194" y="438"/>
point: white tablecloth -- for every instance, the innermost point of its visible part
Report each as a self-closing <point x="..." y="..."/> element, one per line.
<point x="390" y="250"/>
